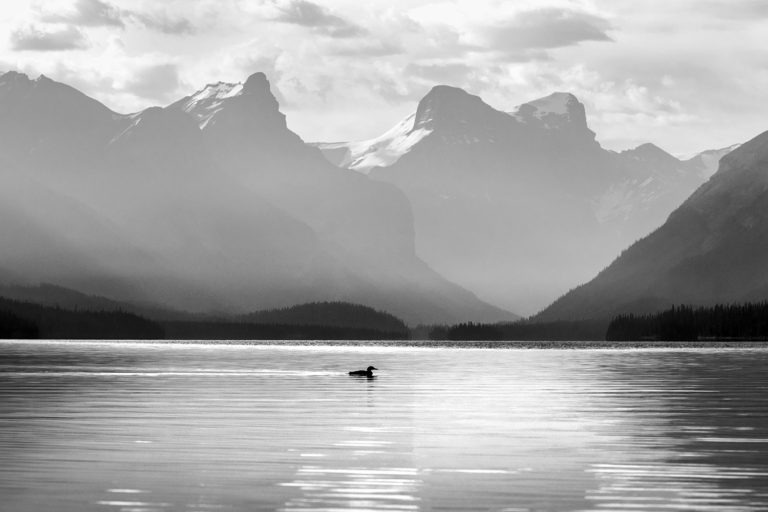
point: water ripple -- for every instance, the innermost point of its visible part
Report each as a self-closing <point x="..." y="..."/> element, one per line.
<point x="157" y="427"/>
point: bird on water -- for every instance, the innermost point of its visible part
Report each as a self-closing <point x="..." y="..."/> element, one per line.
<point x="368" y="372"/>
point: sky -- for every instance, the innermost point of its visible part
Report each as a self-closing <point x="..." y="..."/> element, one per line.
<point x="687" y="75"/>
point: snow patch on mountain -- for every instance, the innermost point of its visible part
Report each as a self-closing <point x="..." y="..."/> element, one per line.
<point x="382" y="151"/>
<point x="204" y="104"/>
<point x="553" y="110"/>
<point x="556" y="103"/>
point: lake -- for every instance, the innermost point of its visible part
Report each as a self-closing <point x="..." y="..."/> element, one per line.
<point x="139" y="427"/>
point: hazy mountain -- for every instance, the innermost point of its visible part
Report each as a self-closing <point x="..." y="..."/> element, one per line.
<point x="57" y="296"/>
<point x="129" y="206"/>
<point x="708" y="161"/>
<point x="519" y="206"/>
<point x="366" y="225"/>
<point x="712" y="249"/>
<point x="210" y="204"/>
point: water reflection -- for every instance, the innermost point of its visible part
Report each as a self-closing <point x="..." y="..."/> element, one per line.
<point x="86" y="426"/>
<point x="694" y="427"/>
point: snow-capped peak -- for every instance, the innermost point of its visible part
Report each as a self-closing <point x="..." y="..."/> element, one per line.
<point x="205" y="103"/>
<point x="218" y="91"/>
<point x="384" y="150"/>
<point x="557" y="103"/>
<point x="457" y="117"/>
<point x="553" y="111"/>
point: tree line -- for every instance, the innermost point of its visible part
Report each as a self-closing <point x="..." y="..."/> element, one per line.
<point x="687" y="323"/>
<point x="24" y="320"/>
<point x="524" y="330"/>
<point x="331" y="314"/>
<point x="223" y="330"/>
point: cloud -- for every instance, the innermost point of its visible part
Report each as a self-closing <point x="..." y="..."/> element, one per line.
<point x="155" y="82"/>
<point x="546" y="28"/>
<point x="741" y="10"/>
<point x="88" y="13"/>
<point x="33" y="38"/>
<point x="448" y="73"/>
<point x="375" y="48"/>
<point x="97" y="13"/>
<point x="444" y="40"/>
<point x="317" y="18"/>
<point x="161" y="22"/>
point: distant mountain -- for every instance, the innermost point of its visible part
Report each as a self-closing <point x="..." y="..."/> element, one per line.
<point x="712" y="249"/>
<point x="708" y="161"/>
<point x="59" y="297"/>
<point x="519" y="206"/>
<point x="122" y="205"/>
<point x="210" y="205"/>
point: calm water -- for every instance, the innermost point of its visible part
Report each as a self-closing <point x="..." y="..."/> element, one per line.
<point x="143" y="427"/>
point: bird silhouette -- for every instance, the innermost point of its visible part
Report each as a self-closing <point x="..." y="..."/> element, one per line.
<point x="368" y="372"/>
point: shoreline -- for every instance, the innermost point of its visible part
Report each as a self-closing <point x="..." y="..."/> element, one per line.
<point x="424" y="344"/>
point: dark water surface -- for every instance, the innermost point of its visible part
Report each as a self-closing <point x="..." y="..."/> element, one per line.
<point x="159" y="427"/>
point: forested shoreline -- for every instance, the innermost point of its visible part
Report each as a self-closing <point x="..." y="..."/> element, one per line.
<point x="687" y="323"/>
<point x="24" y="320"/>
<point x="27" y="320"/>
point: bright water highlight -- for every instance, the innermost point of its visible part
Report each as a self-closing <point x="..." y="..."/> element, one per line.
<point x="161" y="427"/>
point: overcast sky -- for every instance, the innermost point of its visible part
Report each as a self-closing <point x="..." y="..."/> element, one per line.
<point x="687" y="75"/>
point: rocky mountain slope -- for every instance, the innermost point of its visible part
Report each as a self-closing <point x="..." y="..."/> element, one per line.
<point x="712" y="249"/>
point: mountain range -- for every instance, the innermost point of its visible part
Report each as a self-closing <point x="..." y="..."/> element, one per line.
<point x="212" y="205"/>
<point x="519" y="206"/>
<point x="712" y="249"/>
<point x="208" y="205"/>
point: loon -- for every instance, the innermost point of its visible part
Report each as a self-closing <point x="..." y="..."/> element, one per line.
<point x="364" y="373"/>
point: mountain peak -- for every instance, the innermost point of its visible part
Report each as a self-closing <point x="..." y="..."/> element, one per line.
<point x="257" y="83"/>
<point x="555" y="103"/>
<point x="557" y="110"/>
<point x="13" y="75"/>
<point x="16" y="77"/>
<point x="207" y="102"/>
<point x="445" y="105"/>
<point x="649" y="151"/>
<point x="445" y="91"/>
<point x="14" y="81"/>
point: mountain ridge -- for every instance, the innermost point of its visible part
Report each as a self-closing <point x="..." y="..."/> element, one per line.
<point x="232" y="213"/>
<point x="513" y="184"/>
<point x="710" y="250"/>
